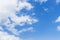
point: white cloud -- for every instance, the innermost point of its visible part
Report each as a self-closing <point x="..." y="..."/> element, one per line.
<point x="41" y="1"/>
<point x="8" y="10"/>
<point x="57" y="1"/>
<point x="45" y="9"/>
<point x="24" y="4"/>
<point x="58" y="19"/>
<point x="58" y="28"/>
<point x="6" y="36"/>
<point x="1" y="28"/>
<point x="22" y="20"/>
<point x="24" y="30"/>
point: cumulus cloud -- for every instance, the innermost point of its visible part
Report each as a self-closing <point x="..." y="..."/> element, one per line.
<point x="6" y="36"/>
<point x="19" y="21"/>
<point x="8" y="17"/>
<point x="24" y="4"/>
<point x="58" y="19"/>
<point x="8" y="8"/>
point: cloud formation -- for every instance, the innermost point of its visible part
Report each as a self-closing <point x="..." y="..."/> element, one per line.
<point x="57" y="1"/>
<point x="24" y="30"/>
<point x="58" y="19"/>
<point x="8" y="18"/>
<point x="58" y="28"/>
<point x="6" y="36"/>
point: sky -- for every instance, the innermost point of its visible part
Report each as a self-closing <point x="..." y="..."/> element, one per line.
<point x="29" y="19"/>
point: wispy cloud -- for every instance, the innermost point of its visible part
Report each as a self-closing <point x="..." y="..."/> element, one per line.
<point x="24" y="30"/>
<point x="58" y="28"/>
<point x="41" y="1"/>
<point x="58" y="19"/>
<point x="57" y="1"/>
<point x="1" y="28"/>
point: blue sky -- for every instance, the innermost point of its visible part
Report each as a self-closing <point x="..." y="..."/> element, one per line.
<point x="45" y="28"/>
<point x="30" y="20"/>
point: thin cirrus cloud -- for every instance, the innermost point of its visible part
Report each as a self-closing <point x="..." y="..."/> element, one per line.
<point x="44" y="1"/>
<point x="24" y="30"/>
<point x="8" y="9"/>
<point x="58" y="28"/>
<point x="57" y="1"/>
<point x="41" y="1"/>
